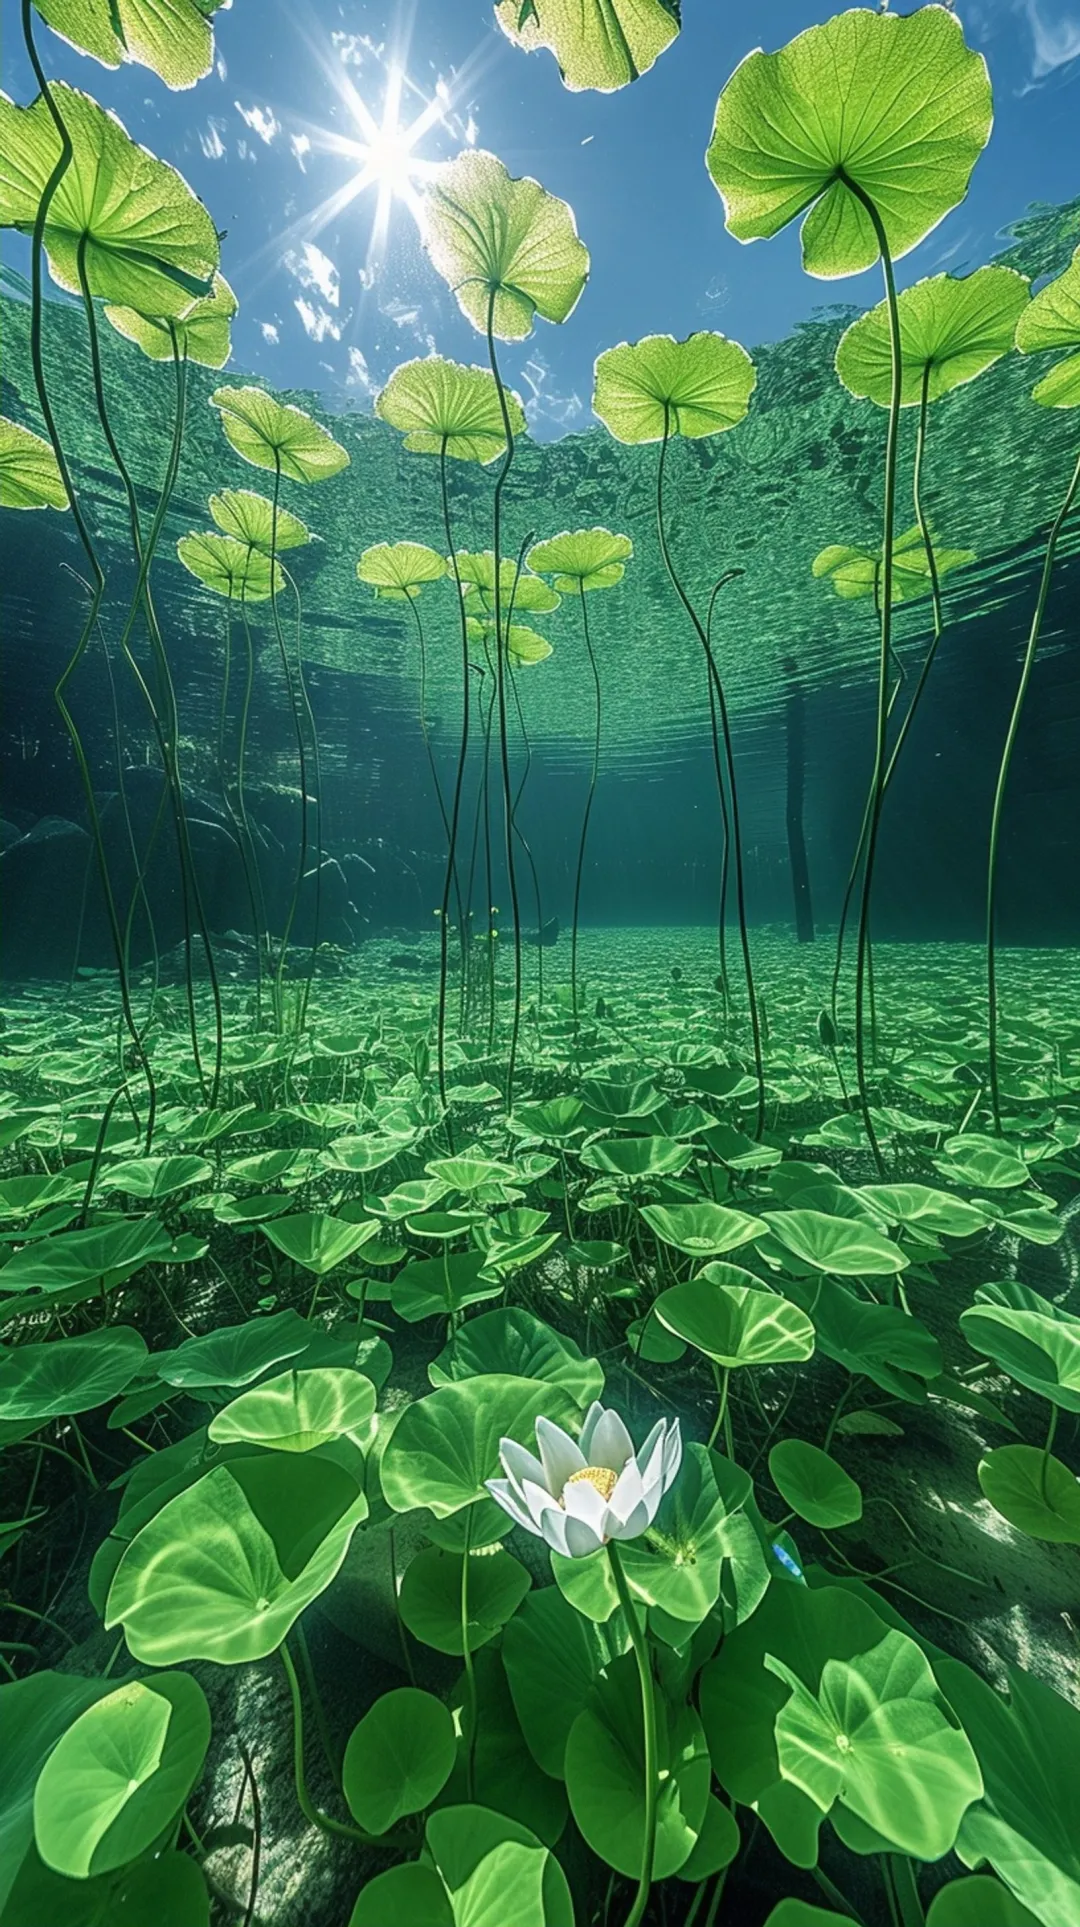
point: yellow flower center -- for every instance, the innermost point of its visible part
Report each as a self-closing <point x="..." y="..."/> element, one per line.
<point x="600" y="1477"/>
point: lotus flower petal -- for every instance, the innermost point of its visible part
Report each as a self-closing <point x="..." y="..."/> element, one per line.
<point x="561" y="1457"/>
<point x="610" y="1443"/>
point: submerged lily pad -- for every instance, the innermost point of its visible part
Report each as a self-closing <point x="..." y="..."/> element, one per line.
<point x="1052" y="320"/>
<point x="249" y="518"/>
<point x="399" y="570"/>
<point x="29" y="472"/>
<point x="856" y="572"/>
<point x="273" y="434"/>
<point x="658" y="386"/>
<point x="584" y="559"/>
<point x="952" y="328"/>
<point x="445" y="407"/>
<point x="229" y="567"/>
<point x="201" y="334"/>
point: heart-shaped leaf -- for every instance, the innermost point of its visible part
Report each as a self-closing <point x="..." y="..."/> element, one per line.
<point x="228" y="567"/>
<point x="1034" y="1491"/>
<point x="430" y="1599"/>
<point x="317" y="1241"/>
<point x="249" y="518"/>
<point x="398" y="1758"/>
<point x="507" y="248"/>
<point x="68" y="1375"/>
<point x="736" y="1324"/>
<point x="658" y="386"/>
<point x="1052" y="320"/>
<point x="891" y="107"/>
<point x="298" y="1411"/>
<point x="702" y="1230"/>
<point x="512" y="1343"/>
<point x="445" y="1446"/>
<point x="201" y="334"/>
<point x="399" y="570"/>
<point x="836" y="1245"/>
<point x="586" y="559"/>
<point x="445" y="407"/>
<point x="273" y="434"/>
<point x="814" y="1485"/>
<point x="952" y="328"/>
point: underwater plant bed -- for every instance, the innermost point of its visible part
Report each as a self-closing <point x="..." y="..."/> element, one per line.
<point x="255" y="1383"/>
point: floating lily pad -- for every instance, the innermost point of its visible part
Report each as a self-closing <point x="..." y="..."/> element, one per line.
<point x="658" y="386"/>
<point x="29" y="472"/>
<point x="298" y="1411"/>
<point x="273" y="434"/>
<point x="814" y="1485"/>
<point x="507" y="248"/>
<point x="443" y="407"/>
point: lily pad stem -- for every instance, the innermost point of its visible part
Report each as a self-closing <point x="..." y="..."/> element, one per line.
<point x="455" y="810"/>
<point x="722" y="710"/>
<point x="648" y="1720"/>
<point x="470" y="1675"/>
<point x="314" y="1815"/>
<point x="501" y="674"/>
<point x="593" y="774"/>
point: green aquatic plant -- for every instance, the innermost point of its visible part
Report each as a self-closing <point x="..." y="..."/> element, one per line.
<point x="174" y="37"/>
<point x="30" y="475"/>
<point x="201" y="333"/>
<point x="277" y="436"/>
<point x="868" y="127"/>
<point x="599" y="44"/>
<point x="653" y="391"/>
<point x="581" y="562"/>
<point x="463" y="414"/>
<point x="1050" y="320"/>
<point x="112" y="221"/>
<point x="509" y="251"/>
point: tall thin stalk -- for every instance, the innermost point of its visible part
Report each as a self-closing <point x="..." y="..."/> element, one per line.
<point x="60" y="168"/>
<point x="725" y="726"/>
<point x="877" y="780"/>
<point x="500" y="662"/>
<point x="165" y="730"/>
<point x="301" y="757"/>
<point x="455" y="808"/>
<point x="524" y="841"/>
<point x="237" y="826"/>
<point x="594" y="773"/>
<point x="251" y="866"/>
<point x="316" y="756"/>
<point x="1002" y="783"/>
<point x="729" y="575"/>
<point x="432" y="765"/>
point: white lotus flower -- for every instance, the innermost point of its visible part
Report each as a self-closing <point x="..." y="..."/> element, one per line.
<point x="578" y="1496"/>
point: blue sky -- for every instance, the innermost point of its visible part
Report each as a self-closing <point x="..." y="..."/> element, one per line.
<point x="261" y="139"/>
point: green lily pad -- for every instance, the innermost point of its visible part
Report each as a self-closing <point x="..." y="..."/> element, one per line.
<point x="508" y="250"/>
<point x="446" y="1445"/>
<point x="399" y="570"/>
<point x="120" y="1774"/>
<point x="298" y="1411"/>
<point x="1033" y="1491"/>
<point x="224" y="1569"/>
<point x="512" y="1343"/>
<point x="430" y="1598"/>
<point x="814" y="1485"/>
<point x="235" y="1354"/>
<point x="702" y="1230"/>
<point x="173" y="37"/>
<point x="317" y="1241"/>
<point x="553" y="1656"/>
<point x="977" y="1901"/>
<point x="584" y="560"/>
<point x="228" y="567"/>
<point x="605" y="1779"/>
<point x="736" y="1325"/>
<point x="483" y="1867"/>
<point x="398" y="1758"/>
<point x="637" y="1157"/>
<point x="952" y="328"/>
<point x="894" y="105"/>
<point x="29" y="472"/>
<point x="1052" y="320"/>
<point x="836" y="1245"/>
<point x="983" y="1162"/>
<point x="147" y="241"/>
<point x="68" y="1375"/>
<point x="249" y="518"/>
<point x="200" y="334"/>
<point x="444" y="407"/>
<point x="71" y="1259"/>
<point x="273" y="434"/>
<point x="157" y="1177"/>
<point x="1038" y="1348"/>
<point x="881" y="1341"/>
<point x="659" y="386"/>
<point x="432" y="1287"/>
<point x="599" y="44"/>
<point x="856" y="572"/>
<point x="919" y="1207"/>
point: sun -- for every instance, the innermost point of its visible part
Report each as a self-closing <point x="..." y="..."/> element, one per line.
<point x="384" y="149"/>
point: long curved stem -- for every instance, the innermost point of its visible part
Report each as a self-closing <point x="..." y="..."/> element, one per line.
<point x="500" y="662"/>
<point x="251" y="865"/>
<point x="60" y="168"/>
<point x="736" y="832"/>
<point x="165" y="730"/>
<point x="1002" y="783"/>
<point x="237" y="826"/>
<point x="455" y="808"/>
<point x="725" y="855"/>
<point x="432" y="765"/>
<point x="316" y="756"/>
<point x="648" y="1724"/>
<point x="301" y="757"/>
<point x="593" y="775"/>
<point x="526" y="845"/>
<point x="877" y="780"/>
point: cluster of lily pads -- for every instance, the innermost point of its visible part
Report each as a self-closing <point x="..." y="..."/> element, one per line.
<point x="655" y="1263"/>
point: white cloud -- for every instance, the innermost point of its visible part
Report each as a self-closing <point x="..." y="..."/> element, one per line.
<point x="359" y="375"/>
<point x="270" y="333"/>
<point x="315" y="270"/>
<point x="1054" y="41"/>
<point x="401" y="314"/>
<point x="260" y="120"/>
<point x="211" y="142"/>
<point x="301" y="146"/>
<point x="318" y="322"/>
<point x="220" y="68"/>
<point x="544" y="403"/>
<point x="353" y="48"/>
